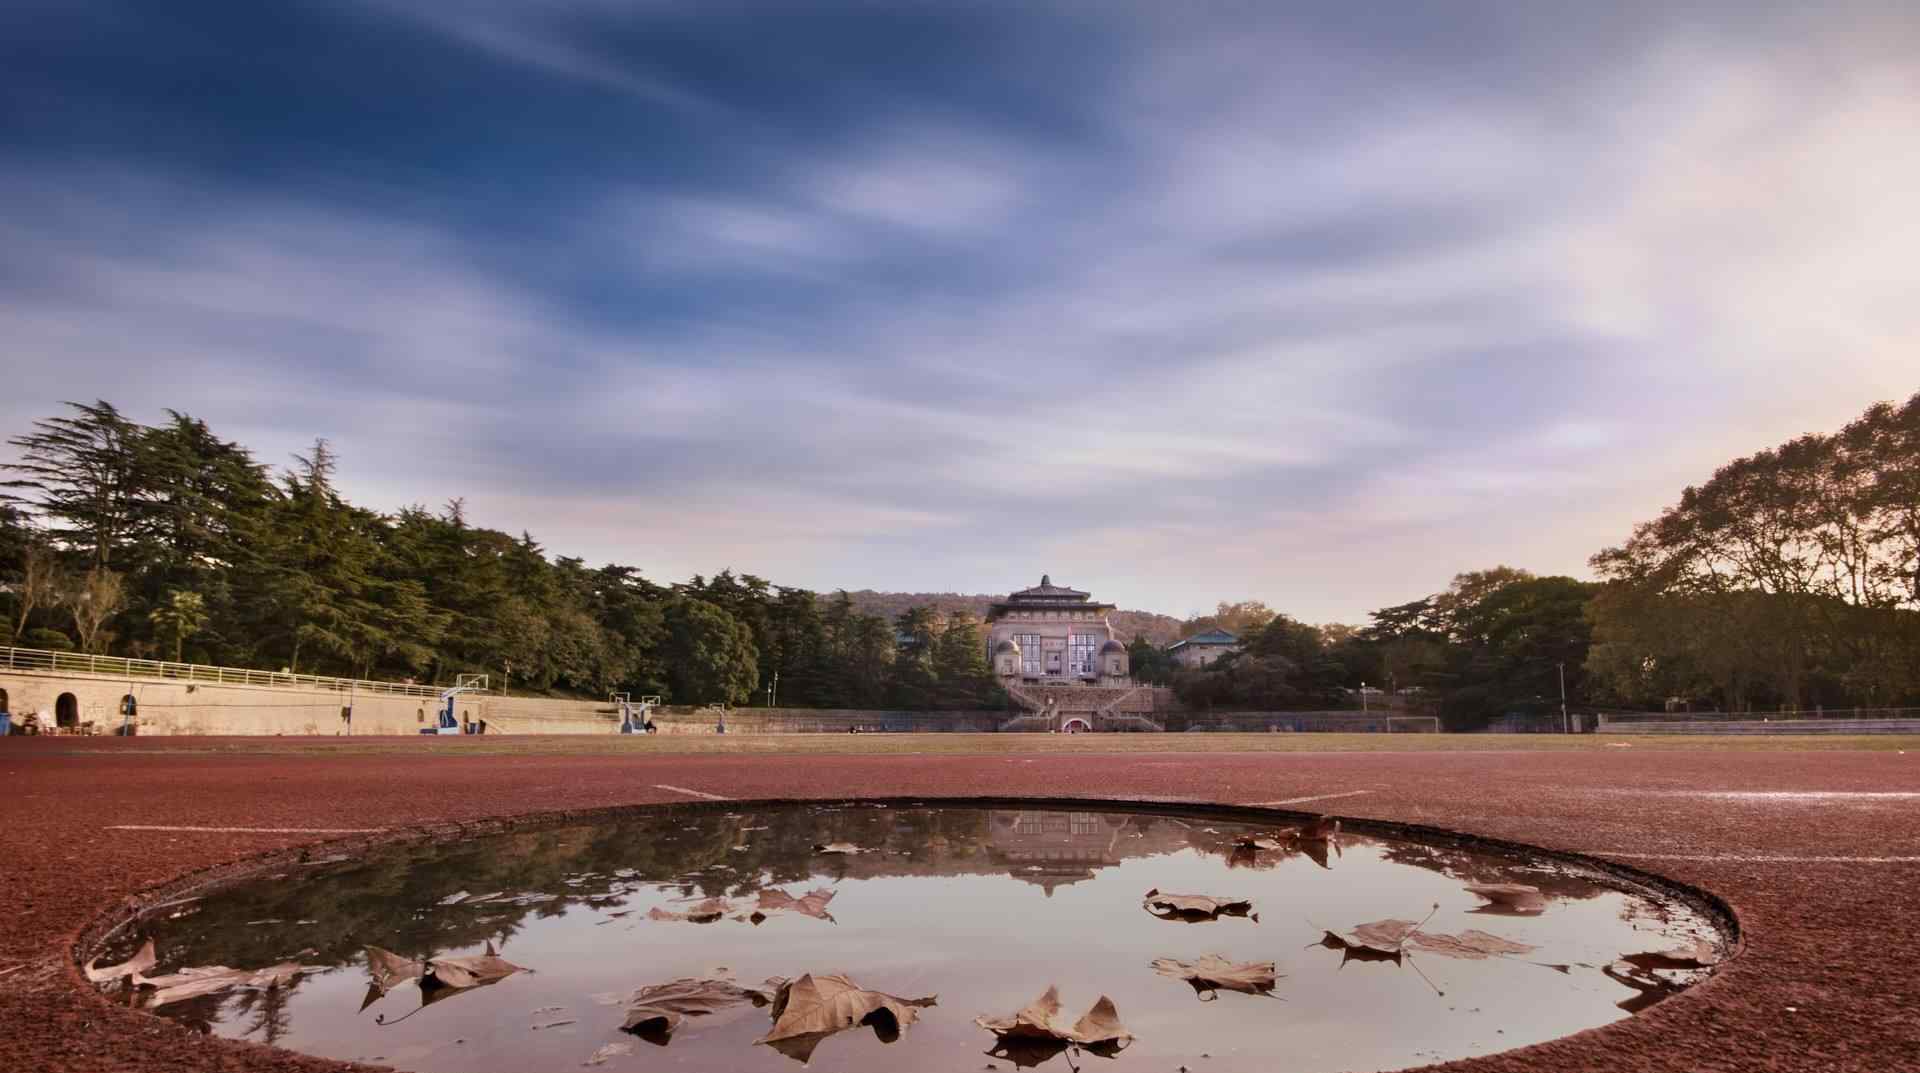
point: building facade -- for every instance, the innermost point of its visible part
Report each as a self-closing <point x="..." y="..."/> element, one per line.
<point x="1054" y="635"/>
<point x="1203" y="648"/>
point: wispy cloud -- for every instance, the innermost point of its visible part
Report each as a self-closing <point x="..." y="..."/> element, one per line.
<point x="1349" y="307"/>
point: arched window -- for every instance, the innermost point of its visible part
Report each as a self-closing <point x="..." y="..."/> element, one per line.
<point x="66" y="711"/>
<point x="3" y="701"/>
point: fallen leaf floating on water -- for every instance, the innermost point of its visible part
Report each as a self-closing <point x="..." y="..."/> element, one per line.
<point x="811" y="904"/>
<point x="1195" y="908"/>
<point x="1510" y="897"/>
<point x="811" y="1008"/>
<point x="133" y="966"/>
<point x="1470" y="944"/>
<point x="1701" y="955"/>
<point x="458" y="974"/>
<point x="1213" y="973"/>
<point x="1038" y="1031"/>
<point x="1387" y="940"/>
<point x="837" y="848"/>
<point x="389" y="970"/>
<point x="654" y="1011"/>
<point x="705" y="912"/>
<point x="206" y="980"/>
<point x="1259" y="843"/>
<point x="1318" y="829"/>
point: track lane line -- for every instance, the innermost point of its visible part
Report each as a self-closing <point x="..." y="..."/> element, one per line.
<point x="691" y="793"/>
<point x="247" y="830"/>
<point x="1311" y="797"/>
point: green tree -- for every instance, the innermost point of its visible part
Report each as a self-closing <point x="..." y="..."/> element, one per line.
<point x="710" y="654"/>
<point x="180" y="618"/>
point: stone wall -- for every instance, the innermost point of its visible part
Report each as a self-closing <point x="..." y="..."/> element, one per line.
<point x="1303" y="722"/>
<point x="167" y="707"/>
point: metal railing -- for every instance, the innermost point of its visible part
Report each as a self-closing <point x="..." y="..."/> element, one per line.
<point x="37" y="659"/>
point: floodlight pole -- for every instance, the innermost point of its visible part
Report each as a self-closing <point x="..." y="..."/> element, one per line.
<point x="1363" y="697"/>
<point x="1566" y="726"/>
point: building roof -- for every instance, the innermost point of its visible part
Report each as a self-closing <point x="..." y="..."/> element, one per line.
<point x="1044" y="597"/>
<point x="1113" y="646"/>
<point x="1206" y="637"/>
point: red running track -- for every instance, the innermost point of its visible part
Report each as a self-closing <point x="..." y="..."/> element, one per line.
<point x="1818" y="853"/>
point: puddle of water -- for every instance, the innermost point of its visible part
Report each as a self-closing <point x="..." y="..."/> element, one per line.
<point x="986" y="908"/>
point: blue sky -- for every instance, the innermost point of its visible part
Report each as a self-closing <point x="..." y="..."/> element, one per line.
<point x="1311" y="303"/>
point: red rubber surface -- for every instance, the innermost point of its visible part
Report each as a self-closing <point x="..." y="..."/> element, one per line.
<point x="1826" y="979"/>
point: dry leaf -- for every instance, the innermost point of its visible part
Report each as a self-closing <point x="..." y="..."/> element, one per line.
<point x="812" y="904"/>
<point x="447" y="976"/>
<point x="1701" y="955"/>
<point x="1318" y="829"/>
<point x="656" y="1010"/>
<point x="389" y="969"/>
<point x="1509" y="897"/>
<point x="1213" y="973"/>
<point x="837" y="847"/>
<point x="1194" y="908"/>
<point x="206" y="980"/>
<point x="1382" y="940"/>
<point x="133" y="966"/>
<point x="705" y="912"/>
<point x="1040" y="1020"/>
<point x="1259" y="843"/>
<point x="1469" y="944"/>
<point x="811" y="1008"/>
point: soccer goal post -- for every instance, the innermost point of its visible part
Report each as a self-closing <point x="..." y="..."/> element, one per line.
<point x="1413" y="724"/>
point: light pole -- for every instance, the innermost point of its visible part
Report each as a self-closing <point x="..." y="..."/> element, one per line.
<point x="1566" y="726"/>
<point x="1363" y="697"/>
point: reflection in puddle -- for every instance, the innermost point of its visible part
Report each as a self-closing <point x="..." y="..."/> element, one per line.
<point x="875" y="939"/>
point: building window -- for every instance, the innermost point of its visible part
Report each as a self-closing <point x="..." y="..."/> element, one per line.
<point x="1029" y="654"/>
<point x="1080" y="659"/>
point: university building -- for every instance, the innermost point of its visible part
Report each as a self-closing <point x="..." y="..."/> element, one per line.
<point x="1053" y="635"/>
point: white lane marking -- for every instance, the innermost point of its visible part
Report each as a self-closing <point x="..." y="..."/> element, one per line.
<point x="691" y="793"/>
<point x="248" y="830"/>
<point x="1751" y="858"/>
<point x="1312" y="797"/>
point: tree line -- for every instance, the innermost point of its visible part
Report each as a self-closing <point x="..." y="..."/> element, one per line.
<point x="1789" y="580"/>
<point x="168" y="542"/>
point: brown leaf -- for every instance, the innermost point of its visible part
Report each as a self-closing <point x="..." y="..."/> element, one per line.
<point x="1040" y="1021"/>
<point x="1195" y="908"/>
<point x="811" y="1008"/>
<point x="837" y="848"/>
<point x="1517" y="898"/>
<point x="1381" y="940"/>
<point x="388" y="969"/>
<point x="1470" y="944"/>
<point x="656" y="1010"/>
<point x="206" y="980"/>
<point x="1701" y="955"/>
<point x="1214" y="973"/>
<point x="705" y="912"/>
<point x="133" y="966"/>
<point x="1259" y="843"/>
<point x="812" y="904"/>
<point x="445" y="976"/>
<point x="1318" y="829"/>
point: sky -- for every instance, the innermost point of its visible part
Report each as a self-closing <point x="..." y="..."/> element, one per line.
<point x="1314" y="303"/>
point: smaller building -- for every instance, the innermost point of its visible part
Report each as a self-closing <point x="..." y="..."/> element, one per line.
<point x="1202" y="648"/>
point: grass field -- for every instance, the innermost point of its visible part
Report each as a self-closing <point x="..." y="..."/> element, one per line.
<point x="983" y="744"/>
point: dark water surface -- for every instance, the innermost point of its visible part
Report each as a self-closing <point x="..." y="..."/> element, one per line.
<point x="985" y="908"/>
